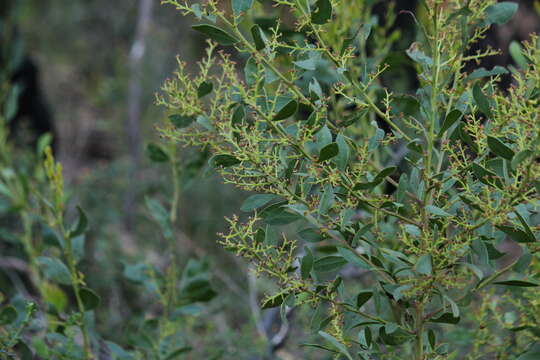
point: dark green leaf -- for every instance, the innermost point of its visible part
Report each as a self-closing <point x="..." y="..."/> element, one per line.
<point x="156" y="153"/>
<point x="256" y="32"/>
<point x="516" y="234"/>
<point x="276" y="214"/>
<point x="450" y="120"/>
<point x="362" y="298"/>
<point x="500" y="13"/>
<point x="239" y="115"/>
<point x="322" y="13"/>
<point x="224" y="160"/>
<point x="329" y="151"/>
<point x="499" y="148"/>
<point x="204" y="89"/>
<point x="329" y="263"/>
<point x="485" y="176"/>
<point x="8" y="315"/>
<point x="518" y="283"/>
<point x="288" y="110"/>
<point x="525" y="226"/>
<point x="306" y="264"/>
<point x="481" y="100"/>
<point x="181" y="121"/>
<point x="80" y="225"/>
<point x="256" y="201"/>
<point x="218" y="35"/>
<point x="173" y="355"/>
<point x="89" y="299"/>
<point x="274" y="301"/>
<point x="446" y="318"/>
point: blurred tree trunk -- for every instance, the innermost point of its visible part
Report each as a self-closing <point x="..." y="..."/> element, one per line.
<point x="133" y="126"/>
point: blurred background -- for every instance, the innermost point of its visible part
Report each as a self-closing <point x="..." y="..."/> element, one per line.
<point x="95" y="67"/>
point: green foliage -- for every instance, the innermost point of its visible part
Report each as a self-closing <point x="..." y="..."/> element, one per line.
<point x="302" y="129"/>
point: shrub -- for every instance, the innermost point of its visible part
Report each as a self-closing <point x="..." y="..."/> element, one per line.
<point x="417" y="192"/>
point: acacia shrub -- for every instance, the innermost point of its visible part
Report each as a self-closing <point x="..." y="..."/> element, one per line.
<point x="301" y="128"/>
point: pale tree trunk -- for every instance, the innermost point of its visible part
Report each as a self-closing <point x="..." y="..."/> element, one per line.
<point x="133" y="125"/>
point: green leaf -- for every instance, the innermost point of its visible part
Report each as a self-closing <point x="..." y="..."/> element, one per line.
<point x="487" y="177"/>
<point x="353" y="258"/>
<point x="329" y="151"/>
<point x="329" y="263"/>
<point x="273" y="301"/>
<point x="160" y="215"/>
<point x="310" y="235"/>
<point x="518" y="283"/>
<point x="362" y="298"/>
<point x="241" y="6"/>
<point x="12" y="103"/>
<point x="276" y="214"/>
<point x="8" y="315"/>
<point x="377" y="180"/>
<point x="500" y="13"/>
<point x="54" y="269"/>
<point x="215" y="33"/>
<point x="446" y="318"/>
<point x="322" y="13"/>
<point x="256" y="201"/>
<point x="525" y="226"/>
<point x="239" y="115"/>
<point x="156" y="153"/>
<point x="224" y="160"/>
<point x="80" y="225"/>
<point x="516" y="234"/>
<point x="499" y="148"/>
<point x="483" y="72"/>
<point x="437" y="211"/>
<point x="481" y="100"/>
<point x="344" y="153"/>
<point x="450" y="120"/>
<point x="327" y="199"/>
<point x="182" y="350"/>
<point x="335" y="343"/>
<point x="424" y="265"/>
<point x="288" y="110"/>
<point x="520" y="157"/>
<point x="306" y="264"/>
<point x="531" y="355"/>
<point x="204" y="89"/>
<point x="181" y="121"/>
<point x="516" y="51"/>
<point x="256" y="32"/>
<point x="89" y="299"/>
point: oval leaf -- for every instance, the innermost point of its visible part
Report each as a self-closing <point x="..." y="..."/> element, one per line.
<point x="499" y="148"/>
<point x="287" y="110"/>
<point x="218" y="35"/>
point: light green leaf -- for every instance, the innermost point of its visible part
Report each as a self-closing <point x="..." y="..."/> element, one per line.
<point x="241" y="6"/>
<point x="335" y="343"/>
<point x="54" y="269"/>
<point x="424" y="265"/>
